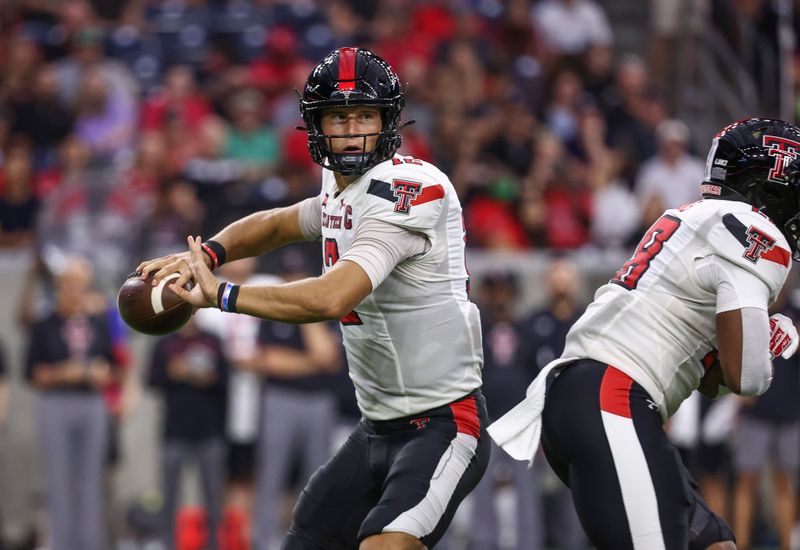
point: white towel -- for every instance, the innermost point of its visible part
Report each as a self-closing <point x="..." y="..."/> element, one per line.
<point x="518" y="431"/>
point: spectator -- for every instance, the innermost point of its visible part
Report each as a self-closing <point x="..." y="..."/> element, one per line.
<point x="250" y="140"/>
<point x="106" y="118"/>
<point x="152" y="166"/>
<point x="191" y="372"/>
<point x="21" y="60"/>
<point x="88" y="216"/>
<point x="570" y="27"/>
<point x="504" y="381"/>
<point x="85" y="54"/>
<point x="43" y="118"/>
<point x="298" y="408"/>
<point x="70" y="361"/>
<point x="219" y="181"/>
<point x="240" y="343"/>
<point x="19" y="204"/>
<point x="565" y="195"/>
<point x="615" y="212"/>
<point x="179" y="101"/>
<point x="768" y="431"/>
<point x="542" y="335"/>
<point x="177" y="213"/>
<point x="671" y="178"/>
<point x="561" y="114"/>
<point x="274" y="72"/>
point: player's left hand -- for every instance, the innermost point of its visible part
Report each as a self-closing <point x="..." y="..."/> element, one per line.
<point x="783" y="339"/>
<point x="204" y="292"/>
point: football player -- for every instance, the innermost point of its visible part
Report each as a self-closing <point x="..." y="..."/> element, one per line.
<point x="394" y="275"/>
<point x="688" y="311"/>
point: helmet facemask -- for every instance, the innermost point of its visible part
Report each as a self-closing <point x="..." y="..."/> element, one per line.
<point x="347" y="164"/>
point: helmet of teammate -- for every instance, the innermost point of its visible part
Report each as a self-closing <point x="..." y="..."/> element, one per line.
<point x="757" y="161"/>
<point x="350" y="77"/>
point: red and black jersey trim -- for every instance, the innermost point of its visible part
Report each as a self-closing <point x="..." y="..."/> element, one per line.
<point x="737" y="229"/>
<point x="382" y="189"/>
<point x="745" y="236"/>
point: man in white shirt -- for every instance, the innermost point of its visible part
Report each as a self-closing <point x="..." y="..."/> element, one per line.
<point x="669" y="179"/>
<point x="394" y="275"/>
<point x="570" y="27"/>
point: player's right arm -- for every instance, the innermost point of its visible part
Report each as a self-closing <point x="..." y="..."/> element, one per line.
<point x="742" y="324"/>
<point x="252" y="235"/>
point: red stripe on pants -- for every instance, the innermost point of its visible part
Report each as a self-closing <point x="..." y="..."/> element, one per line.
<point x="465" y="414"/>
<point x="615" y="392"/>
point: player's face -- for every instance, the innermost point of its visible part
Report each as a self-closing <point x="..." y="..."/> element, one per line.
<point x="343" y="121"/>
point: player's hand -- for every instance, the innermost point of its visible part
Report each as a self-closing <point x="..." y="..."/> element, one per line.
<point x="783" y="339"/>
<point x="167" y="265"/>
<point x="204" y="292"/>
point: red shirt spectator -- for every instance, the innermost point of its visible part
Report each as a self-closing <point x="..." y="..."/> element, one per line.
<point x="569" y="216"/>
<point x="177" y="102"/>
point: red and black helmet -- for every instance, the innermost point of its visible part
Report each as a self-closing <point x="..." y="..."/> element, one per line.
<point x="350" y="77"/>
<point x="757" y="161"/>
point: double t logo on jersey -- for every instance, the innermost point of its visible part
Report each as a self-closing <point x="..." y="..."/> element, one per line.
<point x="405" y="191"/>
<point x="785" y="151"/>
<point x="760" y="243"/>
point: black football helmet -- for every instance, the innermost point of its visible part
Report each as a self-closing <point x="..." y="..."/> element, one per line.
<point x="352" y="77"/>
<point x="757" y="161"/>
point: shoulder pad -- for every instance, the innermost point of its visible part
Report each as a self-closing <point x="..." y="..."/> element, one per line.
<point x="407" y="195"/>
<point x="751" y="241"/>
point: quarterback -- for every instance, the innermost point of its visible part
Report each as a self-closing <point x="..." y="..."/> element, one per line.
<point x="394" y="275"/>
<point x="688" y="311"/>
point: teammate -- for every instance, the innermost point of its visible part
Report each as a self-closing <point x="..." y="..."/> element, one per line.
<point x="700" y="281"/>
<point x="394" y="274"/>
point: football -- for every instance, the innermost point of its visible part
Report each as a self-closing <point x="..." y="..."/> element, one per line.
<point x="152" y="309"/>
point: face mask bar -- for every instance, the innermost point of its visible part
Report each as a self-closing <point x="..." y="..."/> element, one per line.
<point x="349" y="164"/>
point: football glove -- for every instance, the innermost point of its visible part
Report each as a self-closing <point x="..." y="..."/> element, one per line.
<point x="783" y="339"/>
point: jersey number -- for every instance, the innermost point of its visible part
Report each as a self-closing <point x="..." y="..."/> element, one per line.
<point x="330" y="257"/>
<point x="651" y="244"/>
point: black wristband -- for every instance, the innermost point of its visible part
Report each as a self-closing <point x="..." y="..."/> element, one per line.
<point x="215" y="251"/>
<point x="232" y="299"/>
<point x="227" y="293"/>
<point x="220" y="291"/>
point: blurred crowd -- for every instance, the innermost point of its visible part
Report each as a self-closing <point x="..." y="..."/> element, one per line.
<point x="127" y="125"/>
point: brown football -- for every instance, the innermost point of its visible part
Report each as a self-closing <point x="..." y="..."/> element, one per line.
<point x="152" y="309"/>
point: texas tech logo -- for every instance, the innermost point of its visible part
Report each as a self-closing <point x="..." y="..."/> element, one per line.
<point x="760" y="244"/>
<point x="419" y="423"/>
<point x="406" y="192"/>
<point x="785" y="151"/>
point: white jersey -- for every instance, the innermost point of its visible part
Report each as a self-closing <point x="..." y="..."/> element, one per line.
<point x="414" y="343"/>
<point x="655" y="321"/>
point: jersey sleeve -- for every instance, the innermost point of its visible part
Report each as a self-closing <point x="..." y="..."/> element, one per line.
<point x="735" y="287"/>
<point x="751" y="242"/>
<point x="379" y="246"/>
<point x="311" y="218"/>
<point x="408" y="196"/>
